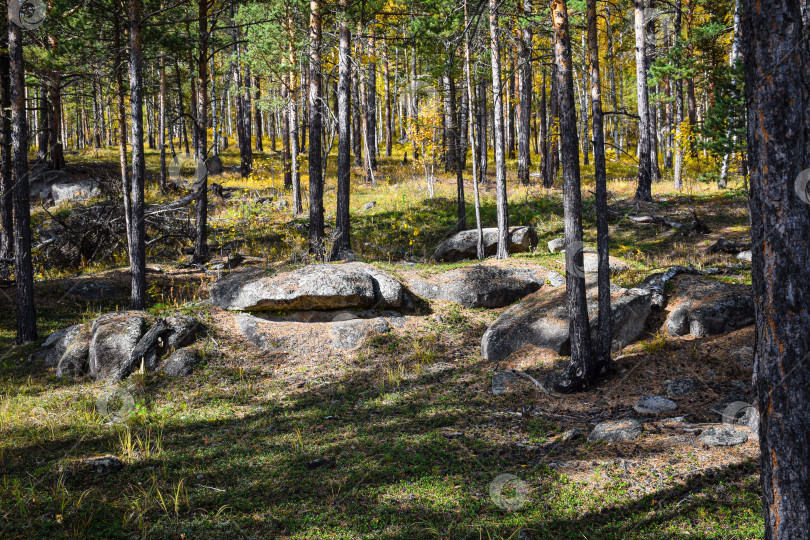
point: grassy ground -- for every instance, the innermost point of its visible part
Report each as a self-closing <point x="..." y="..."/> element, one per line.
<point x="401" y="438"/>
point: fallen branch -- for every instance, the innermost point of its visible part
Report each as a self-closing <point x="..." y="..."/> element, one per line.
<point x="534" y="381"/>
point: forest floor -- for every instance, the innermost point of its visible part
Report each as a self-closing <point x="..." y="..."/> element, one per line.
<point x="401" y="438"/>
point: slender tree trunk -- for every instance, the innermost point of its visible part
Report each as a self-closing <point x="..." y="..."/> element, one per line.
<point x="510" y="107"/>
<point x="162" y="121"/>
<point x="580" y="370"/>
<point x="316" y="225"/>
<point x="644" y="190"/>
<point x="126" y="185"/>
<point x="388" y="114"/>
<point x="357" y="142"/>
<point x="6" y="167"/>
<point x="777" y="85"/>
<point x="201" y="176"/>
<point x="500" y="158"/>
<point x="678" y="165"/>
<point x="652" y="115"/>
<point x="603" y="339"/>
<point x="55" y="96"/>
<point x="257" y="113"/>
<point x="453" y="142"/>
<point x="23" y="267"/>
<point x="285" y="136"/>
<point x="545" y="142"/>
<point x="475" y="160"/>
<point x="182" y="111"/>
<point x="342" y="224"/>
<point x="371" y="104"/>
<point x="44" y="129"/>
<point x="293" y="119"/>
<point x="732" y="59"/>
<point x="524" y="136"/>
<point x="137" y="256"/>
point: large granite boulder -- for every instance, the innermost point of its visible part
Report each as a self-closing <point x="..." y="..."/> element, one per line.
<point x="701" y="307"/>
<point x="115" y="344"/>
<point x="541" y="320"/>
<point x="463" y="245"/>
<point x="314" y="287"/>
<point x="114" y="337"/>
<point x="481" y="285"/>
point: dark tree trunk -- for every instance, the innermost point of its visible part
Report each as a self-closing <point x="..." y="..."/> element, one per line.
<point x="242" y="136"/>
<point x="649" y="54"/>
<point x="678" y="165"/>
<point x="162" y="125"/>
<point x="23" y="267"/>
<point x="580" y="370"/>
<point x="500" y="157"/>
<point x="316" y="225"/>
<point x="644" y="190"/>
<point x="388" y="114"/>
<point x="126" y="186"/>
<point x="201" y="176"/>
<point x="357" y="136"/>
<point x="545" y="142"/>
<point x="293" y="119"/>
<point x="510" y="108"/>
<point x="481" y="119"/>
<point x="777" y="85"/>
<point x="371" y="104"/>
<point x="6" y="169"/>
<point x="257" y="113"/>
<point x="137" y="256"/>
<point x="44" y="115"/>
<point x="182" y="111"/>
<point x="57" y="157"/>
<point x="453" y="143"/>
<point x="603" y="339"/>
<point x="343" y="239"/>
<point x="285" y="136"/>
<point x="524" y="156"/>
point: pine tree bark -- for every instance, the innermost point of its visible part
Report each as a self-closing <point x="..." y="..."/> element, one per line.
<point x="23" y="267"/>
<point x="500" y="157"/>
<point x="6" y="168"/>
<point x="644" y="190"/>
<point x="580" y="370"/>
<point x="285" y="136"/>
<point x="126" y="185"/>
<point x="316" y="225"/>
<point x="453" y="142"/>
<point x="342" y="224"/>
<point x="777" y="86"/>
<point x="678" y="165"/>
<point x="201" y="126"/>
<point x="162" y="121"/>
<point x="477" y="177"/>
<point x="524" y="156"/>
<point x="388" y="113"/>
<point x="293" y="119"/>
<point x="603" y="338"/>
<point x="257" y="113"/>
<point x="137" y="255"/>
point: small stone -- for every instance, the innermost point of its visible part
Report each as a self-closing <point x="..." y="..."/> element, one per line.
<point x="556" y="245"/>
<point x="320" y="462"/>
<point x="613" y="431"/>
<point x="555" y="280"/>
<point x="723" y="436"/>
<point x="744" y="255"/>
<point x="369" y="205"/>
<point x="654" y="405"/>
<point x="104" y="464"/>
<point x="501" y="381"/>
<point x="682" y="387"/>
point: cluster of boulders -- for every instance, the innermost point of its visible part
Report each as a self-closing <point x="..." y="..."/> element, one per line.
<point x="116" y="344"/>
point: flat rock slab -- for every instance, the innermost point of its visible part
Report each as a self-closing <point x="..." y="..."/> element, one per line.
<point x="702" y="307"/>
<point x="481" y="285"/>
<point x="683" y="387"/>
<point x="347" y="335"/>
<point x="463" y="245"/>
<point x="314" y="287"/>
<point x="723" y="436"/>
<point x="650" y="405"/>
<point x="541" y="320"/>
<point x="298" y="338"/>
<point x="614" y="431"/>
